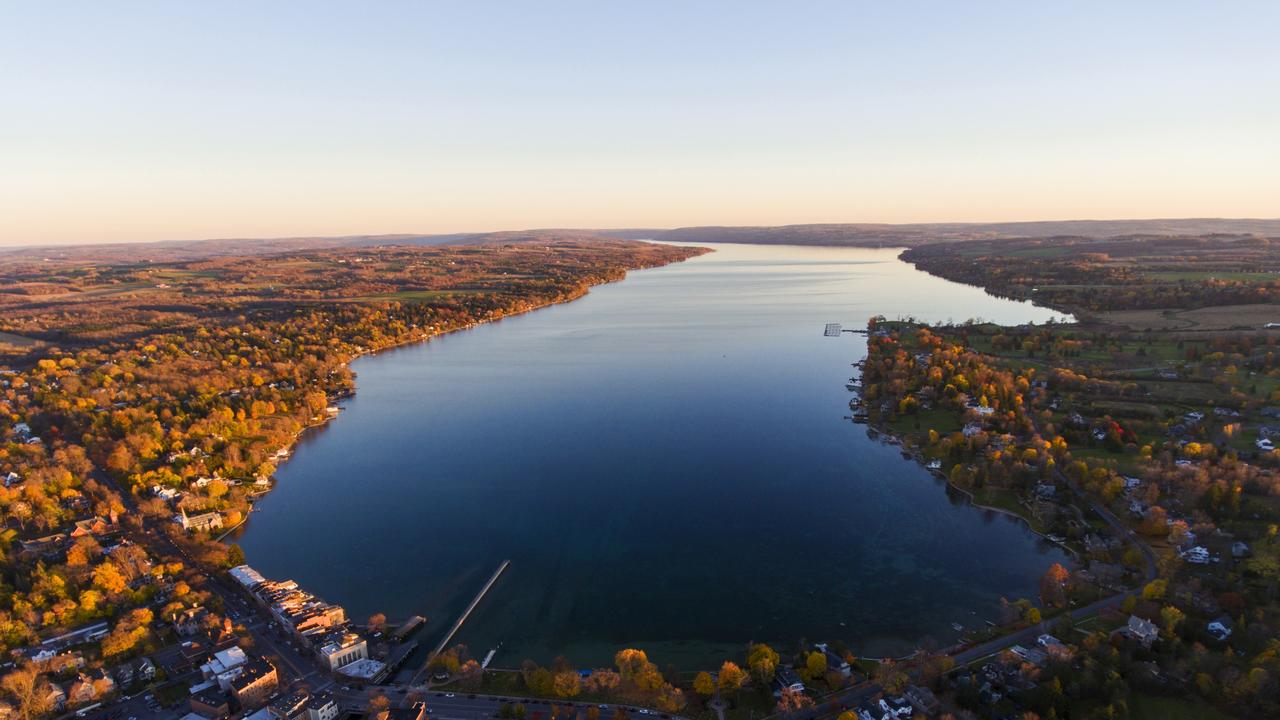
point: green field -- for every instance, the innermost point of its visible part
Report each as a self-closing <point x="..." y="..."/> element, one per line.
<point x="413" y="295"/>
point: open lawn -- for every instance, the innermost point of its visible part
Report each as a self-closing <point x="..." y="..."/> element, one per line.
<point x="1155" y="707"/>
<point x="1212" y="275"/>
<point x="1222" y="317"/>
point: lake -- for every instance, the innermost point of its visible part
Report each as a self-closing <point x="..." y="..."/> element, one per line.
<point x="667" y="463"/>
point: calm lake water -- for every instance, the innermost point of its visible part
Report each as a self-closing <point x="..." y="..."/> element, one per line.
<point x="666" y="463"/>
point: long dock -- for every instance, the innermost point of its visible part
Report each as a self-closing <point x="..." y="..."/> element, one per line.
<point x="457" y="625"/>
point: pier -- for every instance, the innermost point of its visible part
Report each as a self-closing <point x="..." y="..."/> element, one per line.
<point x="457" y="625"/>
<point x="834" y="330"/>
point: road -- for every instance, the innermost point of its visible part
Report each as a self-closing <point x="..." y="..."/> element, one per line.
<point x="444" y="705"/>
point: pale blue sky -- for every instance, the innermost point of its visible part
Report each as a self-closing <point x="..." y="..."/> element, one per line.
<point x="173" y="120"/>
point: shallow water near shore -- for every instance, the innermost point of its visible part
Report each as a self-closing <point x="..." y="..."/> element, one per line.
<point x="666" y="462"/>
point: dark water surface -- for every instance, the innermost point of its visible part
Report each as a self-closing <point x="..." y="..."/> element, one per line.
<point x="667" y="466"/>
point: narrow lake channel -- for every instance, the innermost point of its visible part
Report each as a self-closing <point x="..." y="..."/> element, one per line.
<point x="666" y="463"/>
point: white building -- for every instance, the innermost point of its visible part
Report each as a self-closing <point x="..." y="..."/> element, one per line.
<point x="341" y="649"/>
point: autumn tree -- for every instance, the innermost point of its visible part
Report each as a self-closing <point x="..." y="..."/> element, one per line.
<point x="1053" y="586"/>
<point x="792" y="701"/>
<point x="471" y="675"/>
<point x="763" y="661"/>
<point x="732" y="678"/>
<point x="703" y="684"/>
<point x="567" y="683"/>
<point x="29" y="690"/>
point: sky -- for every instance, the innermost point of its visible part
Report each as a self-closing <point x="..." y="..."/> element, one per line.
<point x="124" y="121"/>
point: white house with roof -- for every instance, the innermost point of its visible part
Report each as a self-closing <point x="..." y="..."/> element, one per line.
<point x="1142" y="630"/>
<point x="1198" y="555"/>
<point x="1220" y="628"/>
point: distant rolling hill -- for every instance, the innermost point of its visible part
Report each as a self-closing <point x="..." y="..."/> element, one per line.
<point x="843" y="234"/>
<point x="873" y="234"/>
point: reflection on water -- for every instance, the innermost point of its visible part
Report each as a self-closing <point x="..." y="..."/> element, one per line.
<point x="665" y="462"/>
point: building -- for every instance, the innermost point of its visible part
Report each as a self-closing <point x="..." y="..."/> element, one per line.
<point x="198" y="523"/>
<point x="210" y="703"/>
<point x="834" y="660"/>
<point x="56" y="697"/>
<point x="322" y="707"/>
<point x="365" y="670"/>
<point x="190" y="622"/>
<point x="786" y="679"/>
<point x="94" y="526"/>
<point x="289" y="707"/>
<point x="224" y="666"/>
<point x="1198" y="555"/>
<point x="1144" y="631"/>
<point x="922" y="699"/>
<point x="255" y="683"/>
<point x="417" y="712"/>
<point x="248" y="578"/>
<point x="87" y="633"/>
<point x="1220" y="628"/>
<point x="342" y="648"/>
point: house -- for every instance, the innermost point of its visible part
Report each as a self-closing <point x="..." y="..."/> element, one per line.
<point x="922" y="699"/>
<point x="81" y="691"/>
<point x="56" y="698"/>
<point x="12" y="479"/>
<point x="91" y="686"/>
<point x="834" y="660"/>
<point x="1220" y="628"/>
<point x="1045" y="641"/>
<point x="895" y="707"/>
<point x="786" y="679"/>
<point x="1030" y="655"/>
<point x="1098" y="434"/>
<point x="22" y="429"/>
<point x="47" y="546"/>
<point x="1198" y="555"/>
<point x="190" y="622"/>
<point x="1144" y="631"/>
<point x="1240" y="549"/>
<point x="1045" y="491"/>
<point x="165" y="493"/>
<point x="202" y="522"/>
<point x="1264" y="444"/>
<point x="1131" y="483"/>
<point x="972" y="430"/>
<point x="94" y="526"/>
